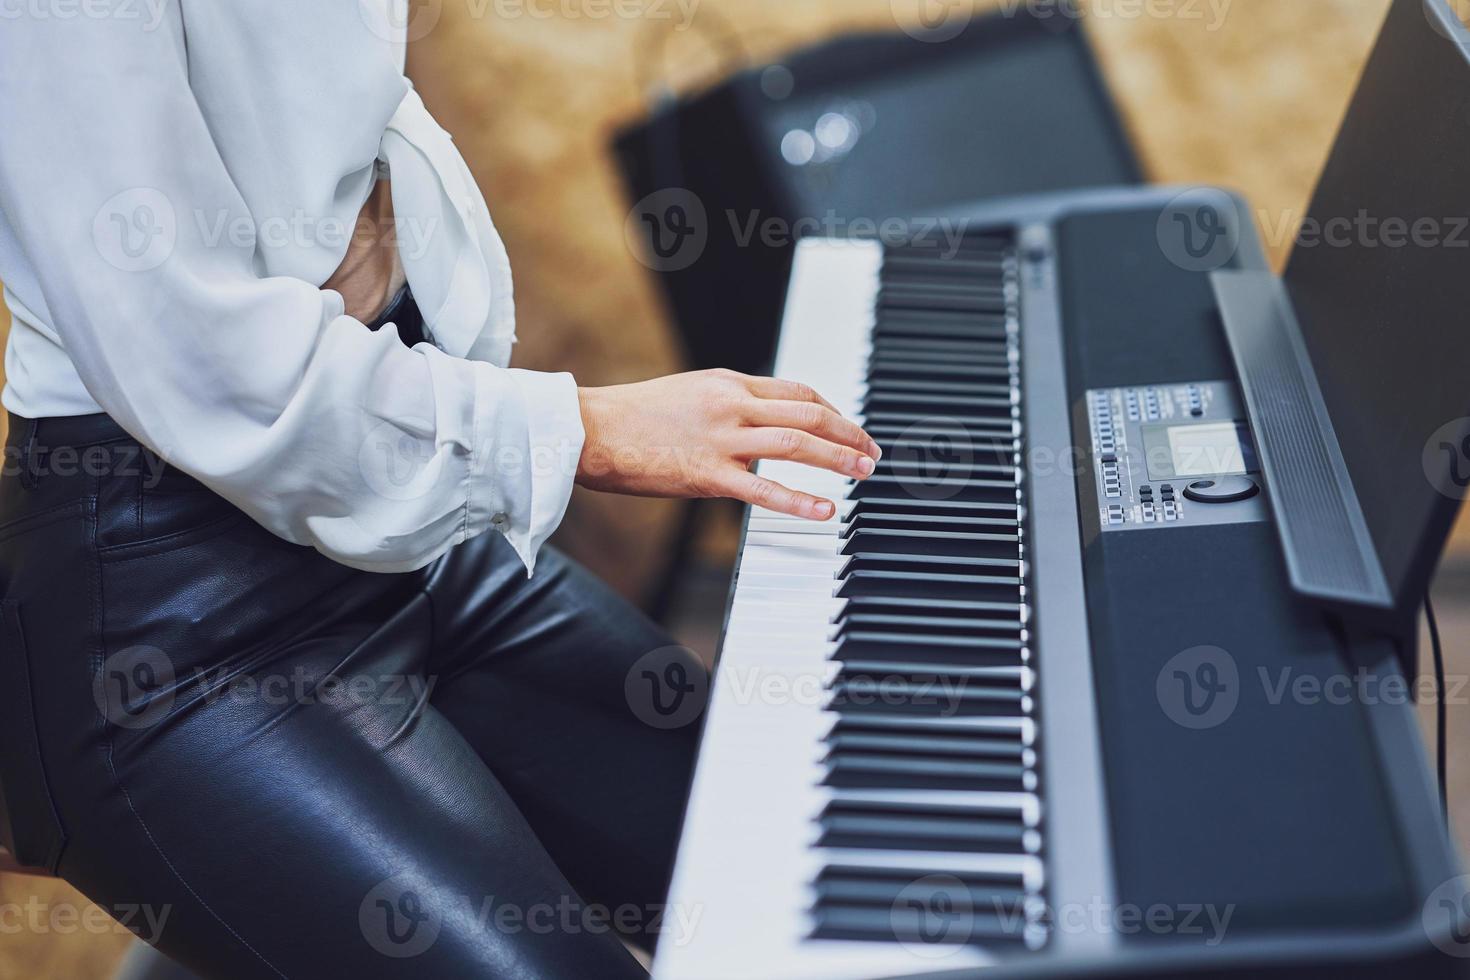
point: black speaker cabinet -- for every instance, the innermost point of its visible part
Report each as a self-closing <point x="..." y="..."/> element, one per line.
<point x="843" y="139"/>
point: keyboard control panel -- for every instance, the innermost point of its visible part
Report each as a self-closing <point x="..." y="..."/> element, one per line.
<point x="1173" y="456"/>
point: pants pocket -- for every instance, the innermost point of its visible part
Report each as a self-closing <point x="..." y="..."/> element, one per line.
<point x="29" y="826"/>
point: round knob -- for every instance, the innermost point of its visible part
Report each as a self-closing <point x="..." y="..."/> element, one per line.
<point x="1222" y="490"/>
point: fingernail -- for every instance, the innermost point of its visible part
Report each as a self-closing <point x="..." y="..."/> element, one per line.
<point x="877" y="451"/>
<point x="822" y="509"/>
<point x="865" y="466"/>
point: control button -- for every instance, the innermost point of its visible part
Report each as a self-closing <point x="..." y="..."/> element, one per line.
<point x="1222" y="490"/>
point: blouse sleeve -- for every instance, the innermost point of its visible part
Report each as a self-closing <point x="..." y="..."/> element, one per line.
<point x="330" y="435"/>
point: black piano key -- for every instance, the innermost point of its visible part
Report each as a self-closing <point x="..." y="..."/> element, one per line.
<point x="913" y="400"/>
<point x="943" y="488"/>
<point x="967" y="387"/>
<point x="936" y="647"/>
<point x="942" y="564"/>
<point x="940" y="744"/>
<point x="963" y="354"/>
<point x="929" y="696"/>
<point x="943" y="461"/>
<point x="939" y="508"/>
<point x="861" y="771"/>
<point x="959" y="608"/>
<point x="933" y="543"/>
<point x="926" y="625"/>
<point x="883" y="887"/>
<point x="902" y="831"/>
<point x="879" y="520"/>
<point x="961" y="421"/>
<point x="995" y="588"/>
<point x="917" y="925"/>
<point x="994" y="437"/>
<point x="957" y="328"/>
<point x="963" y="375"/>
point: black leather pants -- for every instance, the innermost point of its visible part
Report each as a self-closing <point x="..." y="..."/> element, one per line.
<point x="276" y="766"/>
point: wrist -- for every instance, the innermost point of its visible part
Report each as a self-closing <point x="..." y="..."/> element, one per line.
<point x="589" y="402"/>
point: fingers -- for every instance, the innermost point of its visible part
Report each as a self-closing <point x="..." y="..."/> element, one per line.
<point x="815" y="419"/>
<point x="760" y="492"/>
<point x="802" y="447"/>
<point x="788" y="391"/>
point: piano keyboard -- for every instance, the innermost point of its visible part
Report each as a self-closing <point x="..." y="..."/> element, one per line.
<point x="942" y="738"/>
<point x="878" y="669"/>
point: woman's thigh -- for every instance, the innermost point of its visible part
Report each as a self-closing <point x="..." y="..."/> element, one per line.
<point x="585" y="710"/>
<point x="240" y="756"/>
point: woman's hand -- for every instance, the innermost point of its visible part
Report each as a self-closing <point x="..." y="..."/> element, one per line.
<point x="695" y="435"/>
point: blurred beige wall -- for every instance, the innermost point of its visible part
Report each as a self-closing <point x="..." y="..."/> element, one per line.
<point x="1250" y="101"/>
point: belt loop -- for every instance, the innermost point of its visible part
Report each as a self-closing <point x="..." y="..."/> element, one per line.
<point x="29" y="475"/>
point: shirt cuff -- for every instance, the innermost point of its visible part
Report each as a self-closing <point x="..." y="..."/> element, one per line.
<point x="528" y="441"/>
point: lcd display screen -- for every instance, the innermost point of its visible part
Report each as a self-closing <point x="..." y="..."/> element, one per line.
<point x="1212" y="449"/>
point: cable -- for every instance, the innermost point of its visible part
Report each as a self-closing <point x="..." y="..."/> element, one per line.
<point x="1440" y="709"/>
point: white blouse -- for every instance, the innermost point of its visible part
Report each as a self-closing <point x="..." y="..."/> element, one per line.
<point x="177" y="177"/>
